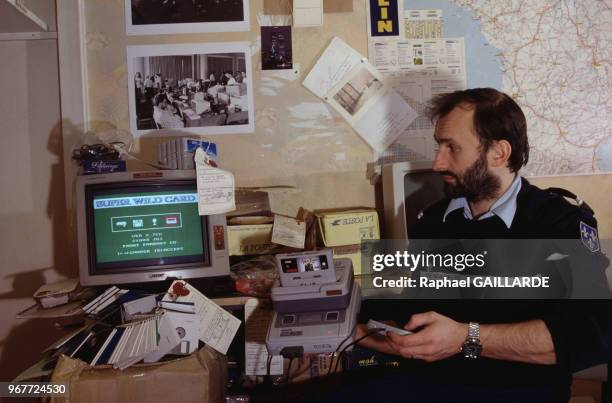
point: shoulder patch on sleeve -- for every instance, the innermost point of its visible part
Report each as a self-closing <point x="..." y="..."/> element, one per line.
<point x="420" y="215"/>
<point x="589" y="237"/>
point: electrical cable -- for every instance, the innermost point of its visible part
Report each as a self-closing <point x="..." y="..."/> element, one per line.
<point x="268" y="365"/>
<point x="331" y="364"/>
<point x="370" y="333"/>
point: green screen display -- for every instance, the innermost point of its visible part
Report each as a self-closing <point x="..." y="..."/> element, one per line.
<point x="143" y="226"/>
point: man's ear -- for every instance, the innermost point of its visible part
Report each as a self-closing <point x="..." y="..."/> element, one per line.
<point x="499" y="153"/>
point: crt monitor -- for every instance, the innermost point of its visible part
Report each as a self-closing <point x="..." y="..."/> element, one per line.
<point x="144" y="226"/>
<point x="408" y="187"/>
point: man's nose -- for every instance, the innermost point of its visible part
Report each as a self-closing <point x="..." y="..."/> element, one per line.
<point x="440" y="162"/>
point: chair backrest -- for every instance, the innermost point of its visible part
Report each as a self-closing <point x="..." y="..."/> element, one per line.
<point x="223" y="98"/>
<point x="213" y="90"/>
<point x="179" y="110"/>
<point x="233" y="90"/>
<point x="156" y="116"/>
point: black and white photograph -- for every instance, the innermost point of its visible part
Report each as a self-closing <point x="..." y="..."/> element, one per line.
<point x="154" y="17"/>
<point x="276" y="49"/>
<point x="357" y="91"/>
<point x="197" y="88"/>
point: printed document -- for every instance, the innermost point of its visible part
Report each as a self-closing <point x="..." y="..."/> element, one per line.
<point x="419" y="70"/>
<point x="423" y="24"/>
<point x="256" y="354"/>
<point x="373" y="109"/>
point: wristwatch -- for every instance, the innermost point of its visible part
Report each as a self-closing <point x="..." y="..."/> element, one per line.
<point x="471" y="347"/>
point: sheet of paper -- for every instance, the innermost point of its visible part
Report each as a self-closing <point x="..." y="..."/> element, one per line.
<point x="441" y="69"/>
<point x="64" y="286"/>
<point x="410" y="55"/>
<point x="216" y="187"/>
<point x="337" y="6"/>
<point x="307" y="13"/>
<point x="336" y="61"/>
<point x="373" y="109"/>
<point x="411" y="145"/>
<point x="258" y="320"/>
<point x="423" y="24"/>
<point x="275" y="20"/>
<point x="276" y="7"/>
<point x="288" y="231"/>
<point x="289" y="75"/>
<point x="217" y="326"/>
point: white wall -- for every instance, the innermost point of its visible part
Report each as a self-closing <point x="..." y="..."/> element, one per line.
<point x="33" y="222"/>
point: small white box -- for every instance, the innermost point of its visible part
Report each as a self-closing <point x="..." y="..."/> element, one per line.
<point x="200" y="106"/>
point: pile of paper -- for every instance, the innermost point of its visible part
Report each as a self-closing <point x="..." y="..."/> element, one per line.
<point x="151" y="327"/>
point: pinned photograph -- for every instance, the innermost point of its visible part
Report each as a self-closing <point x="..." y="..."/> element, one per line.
<point x="375" y="110"/>
<point x="193" y="88"/>
<point x="362" y="87"/>
<point x="155" y="17"/>
<point x="276" y="50"/>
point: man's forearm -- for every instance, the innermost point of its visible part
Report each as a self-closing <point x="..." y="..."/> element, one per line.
<point x="528" y="342"/>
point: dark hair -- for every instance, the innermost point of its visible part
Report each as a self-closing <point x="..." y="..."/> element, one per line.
<point x="496" y="117"/>
<point x="159" y="98"/>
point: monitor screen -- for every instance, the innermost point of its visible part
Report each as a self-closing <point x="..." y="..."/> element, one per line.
<point x="142" y="226"/>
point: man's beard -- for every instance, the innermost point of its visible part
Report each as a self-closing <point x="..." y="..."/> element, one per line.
<point x="476" y="184"/>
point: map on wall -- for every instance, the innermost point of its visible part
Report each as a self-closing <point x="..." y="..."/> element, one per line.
<point x="554" y="58"/>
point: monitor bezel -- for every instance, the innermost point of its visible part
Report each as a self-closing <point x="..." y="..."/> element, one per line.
<point x="216" y="265"/>
<point x="394" y="195"/>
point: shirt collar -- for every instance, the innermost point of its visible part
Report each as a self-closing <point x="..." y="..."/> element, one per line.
<point x="504" y="207"/>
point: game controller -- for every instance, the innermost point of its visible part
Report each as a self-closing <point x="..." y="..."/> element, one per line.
<point x="384" y="328"/>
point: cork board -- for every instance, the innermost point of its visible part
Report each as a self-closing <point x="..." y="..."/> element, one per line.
<point x="298" y="139"/>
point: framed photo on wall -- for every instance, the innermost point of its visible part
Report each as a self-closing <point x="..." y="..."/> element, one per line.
<point x="158" y="17"/>
<point x="190" y="88"/>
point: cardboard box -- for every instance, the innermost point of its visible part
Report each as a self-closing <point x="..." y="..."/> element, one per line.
<point x="255" y="239"/>
<point x="348" y="227"/>
<point x="200" y="377"/>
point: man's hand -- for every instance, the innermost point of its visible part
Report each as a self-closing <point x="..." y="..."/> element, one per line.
<point x="439" y="338"/>
<point x="376" y="341"/>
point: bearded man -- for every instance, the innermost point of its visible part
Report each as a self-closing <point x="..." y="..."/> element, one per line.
<point x="490" y="350"/>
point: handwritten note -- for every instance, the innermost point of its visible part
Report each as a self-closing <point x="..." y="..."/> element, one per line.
<point x="217" y="326"/>
<point x="216" y="187"/>
<point x="289" y="231"/>
<point x="335" y="62"/>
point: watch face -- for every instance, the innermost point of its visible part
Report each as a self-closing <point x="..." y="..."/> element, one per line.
<point x="471" y="349"/>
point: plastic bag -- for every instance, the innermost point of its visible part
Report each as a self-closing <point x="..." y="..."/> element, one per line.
<point x="255" y="277"/>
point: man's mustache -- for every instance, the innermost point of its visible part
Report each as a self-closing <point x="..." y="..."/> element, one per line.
<point x="448" y="173"/>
